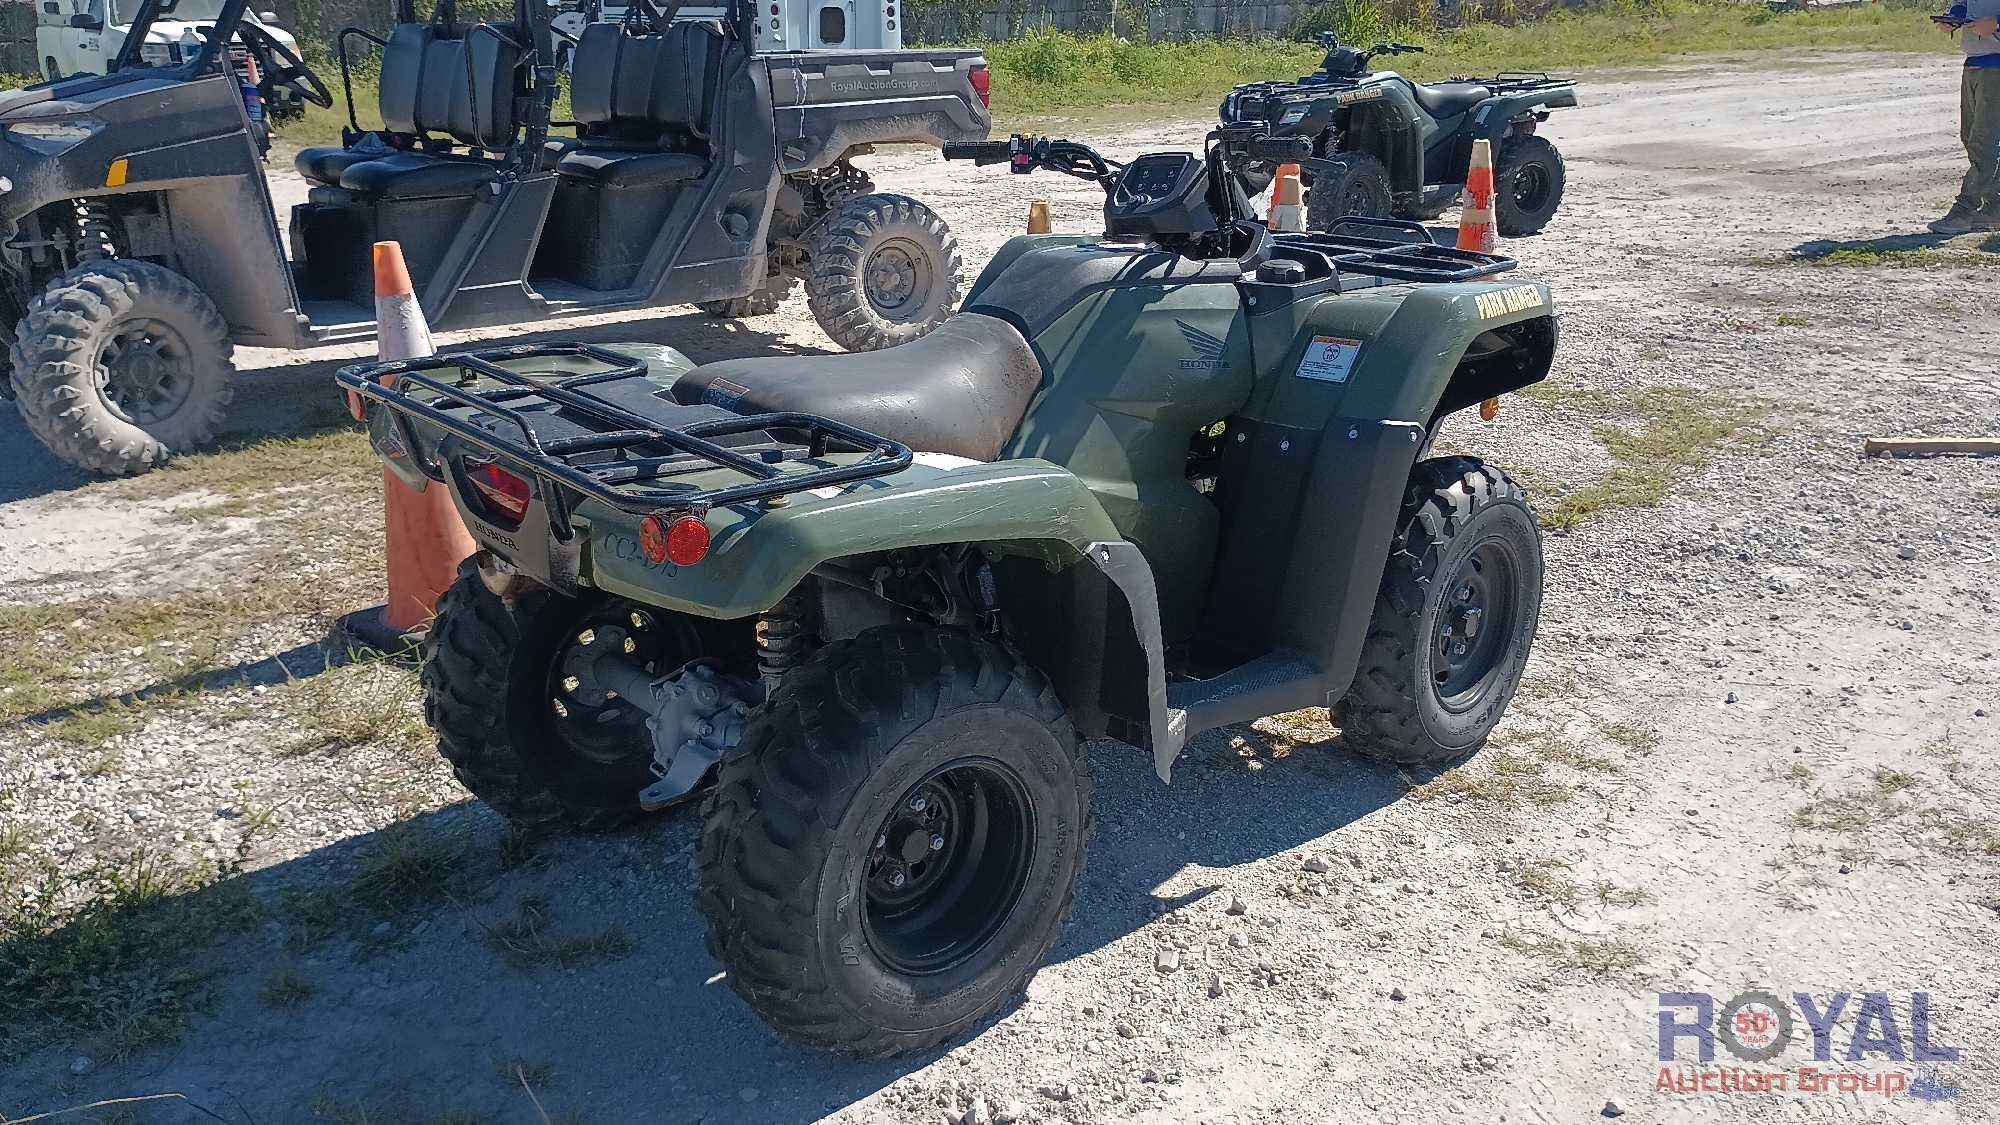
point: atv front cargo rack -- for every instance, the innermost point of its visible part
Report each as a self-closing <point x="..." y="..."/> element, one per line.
<point x="1396" y="250"/>
<point x="624" y="448"/>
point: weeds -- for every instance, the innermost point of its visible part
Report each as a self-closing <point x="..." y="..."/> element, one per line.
<point x="362" y="705"/>
<point x="527" y="940"/>
<point x="102" y="951"/>
<point x="405" y="870"/>
<point x="1603" y="957"/>
<point x="535" y="1074"/>
<point x="1680" y="432"/>
<point x="287" y="988"/>
<point x="1512" y="780"/>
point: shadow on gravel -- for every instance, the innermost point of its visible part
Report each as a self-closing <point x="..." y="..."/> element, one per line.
<point x="289" y="398"/>
<point x="413" y="973"/>
<point x="296" y="663"/>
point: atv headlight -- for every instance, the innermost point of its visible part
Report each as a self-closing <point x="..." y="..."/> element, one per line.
<point x="55" y="134"/>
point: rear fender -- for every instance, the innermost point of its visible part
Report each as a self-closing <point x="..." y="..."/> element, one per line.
<point x="1494" y="118"/>
<point x="1449" y="346"/>
<point x="759" y="552"/>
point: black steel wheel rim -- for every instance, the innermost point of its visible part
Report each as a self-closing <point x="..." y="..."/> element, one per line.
<point x="145" y="372"/>
<point x="947" y="866"/>
<point x="1474" y="626"/>
<point x="897" y="279"/>
<point x="588" y="721"/>
<point x="1359" y="199"/>
<point x="1531" y="187"/>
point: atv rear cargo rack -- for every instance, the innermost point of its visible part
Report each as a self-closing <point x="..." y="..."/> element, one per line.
<point x="1396" y="250"/>
<point x="631" y="440"/>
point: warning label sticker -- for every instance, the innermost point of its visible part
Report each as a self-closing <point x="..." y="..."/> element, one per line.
<point x="1329" y="359"/>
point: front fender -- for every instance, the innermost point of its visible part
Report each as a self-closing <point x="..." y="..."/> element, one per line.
<point x="759" y="553"/>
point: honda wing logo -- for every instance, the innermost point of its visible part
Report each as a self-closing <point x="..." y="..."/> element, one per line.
<point x="1207" y="349"/>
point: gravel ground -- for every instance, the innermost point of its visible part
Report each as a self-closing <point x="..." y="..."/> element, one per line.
<point x="1749" y="755"/>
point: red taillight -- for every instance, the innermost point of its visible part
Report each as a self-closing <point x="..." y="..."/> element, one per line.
<point x="982" y="84"/>
<point x="506" y="495"/>
<point x="678" y="539"/>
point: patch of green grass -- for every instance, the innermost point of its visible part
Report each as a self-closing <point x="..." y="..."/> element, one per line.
<point x="1793" y="320"/>
<point x="107" y="951"/>
<point x="528" y="940"/>
<point x="251" y="472"/>
<point x="287" y="988"/>
<point x="1548" y="878"/>
<point x="1612" y="894"/>
<point x="310" y="915"/>
<point x="94" y="726"/>
<point x="1680" y="431"/>
<point x="406" y="869"/>
<point x="371" y="704"/>
<point x="1918" y="257"/>
<point x="1048" y="72"/>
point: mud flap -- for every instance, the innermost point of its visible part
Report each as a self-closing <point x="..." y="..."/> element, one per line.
<point x="1127" y="569"/>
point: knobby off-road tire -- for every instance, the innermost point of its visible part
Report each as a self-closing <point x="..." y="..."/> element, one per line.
<point x="884" y="271"/>
<point x="763" y="302"/>
<point x="157" y="331"/>
<point x="1528" y="178"/>
<point x="1357" y="184"/>
<point x="1464" y="526"/>
<point x="488" y="677"/>
<point x="808" y="809"/>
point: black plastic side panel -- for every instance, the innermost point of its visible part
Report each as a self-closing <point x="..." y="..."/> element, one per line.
<point x="482" y="275"/>
<point x="1355" y="492"/>
<point x="1307" y="521"/>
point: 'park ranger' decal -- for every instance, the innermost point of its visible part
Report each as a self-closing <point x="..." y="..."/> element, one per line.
<point x="1365" y="94"/>
<point x="1505" y="302"/>
<point x="1330" y="359"/>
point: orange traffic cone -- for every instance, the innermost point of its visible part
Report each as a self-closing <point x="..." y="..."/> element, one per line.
<point x="1038" y="216"/>
<point x="1475" y="215"/>
<point x="1286" y="211"/>
<point x="426" y="538"/>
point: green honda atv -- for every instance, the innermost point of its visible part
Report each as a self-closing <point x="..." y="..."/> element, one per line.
<point x="1143" y="485"/>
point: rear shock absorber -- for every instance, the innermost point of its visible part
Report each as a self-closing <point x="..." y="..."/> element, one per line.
<point x="94" y="230"/>
<point x="782" y="640"/>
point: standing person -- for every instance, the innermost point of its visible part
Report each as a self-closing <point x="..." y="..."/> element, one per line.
<point x="1978" y="205"/>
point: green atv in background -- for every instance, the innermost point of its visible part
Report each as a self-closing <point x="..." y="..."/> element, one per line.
<point x="1383" y="145"/>
<point x="1141" y="486"/>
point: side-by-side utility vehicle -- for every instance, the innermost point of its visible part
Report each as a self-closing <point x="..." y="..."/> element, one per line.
<point x="1143" y="485"/>
<point x="138" y="244"/>
<point x="1384" y="145"/>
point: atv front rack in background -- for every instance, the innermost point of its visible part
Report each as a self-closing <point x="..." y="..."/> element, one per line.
<point x="624" y="448"/>
<point x="1395" y="250"/>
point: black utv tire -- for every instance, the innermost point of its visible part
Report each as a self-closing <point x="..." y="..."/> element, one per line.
<point x="487" y="668"/>
<point x="1426" y="692"/>
<point x="885" y="270"/>
<point x="807" y="821"/>
<point x="763" y="302"/>
<point x="1528" y="178"/>
<point x="119" y="365"/>
<point x="1358" y="184"/>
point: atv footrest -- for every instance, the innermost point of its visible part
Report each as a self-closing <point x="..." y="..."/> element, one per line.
<point x="618" y="446"/>
<point x="1269" y="685"/>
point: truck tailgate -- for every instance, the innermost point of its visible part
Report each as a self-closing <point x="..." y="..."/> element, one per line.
<point x="826" y="102"/>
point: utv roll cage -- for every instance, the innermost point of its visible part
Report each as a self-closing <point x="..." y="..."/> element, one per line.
<point x="129" y="52"/>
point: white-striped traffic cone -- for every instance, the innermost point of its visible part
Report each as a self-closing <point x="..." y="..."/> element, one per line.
<point x="1287" y="213"/>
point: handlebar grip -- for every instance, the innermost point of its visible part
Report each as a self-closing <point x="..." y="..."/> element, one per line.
<point x="1280" y="150"/>
<point x="979" y="152"/>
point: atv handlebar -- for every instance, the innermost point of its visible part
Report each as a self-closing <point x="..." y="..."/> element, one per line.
<point x="1023" y="154"/>
<point x="1393" y="49"/>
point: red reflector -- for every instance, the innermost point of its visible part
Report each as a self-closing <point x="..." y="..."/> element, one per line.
<point x="982" y="84"/>
<point x="681" y="540"/>
<point x="506" y="493"/>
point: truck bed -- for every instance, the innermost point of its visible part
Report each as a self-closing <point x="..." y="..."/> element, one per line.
<point x="826" y="102"/>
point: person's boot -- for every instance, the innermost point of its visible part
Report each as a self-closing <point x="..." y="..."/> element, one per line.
<point x="1959" y="220"/>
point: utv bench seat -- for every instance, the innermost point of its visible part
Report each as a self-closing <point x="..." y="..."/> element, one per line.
<point x="425" y="90"/>
<point x="1448" y="99"/>
<point x="961" y="390"/>
<point x="634" y="96"/>
<point x="614" y="168"/>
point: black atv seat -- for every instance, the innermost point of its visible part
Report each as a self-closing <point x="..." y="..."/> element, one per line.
<point x="642" y="104"/>
<point x="962" y="389"/>
<point x="425" y="89"/>
<point x="1449" y="99"/>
